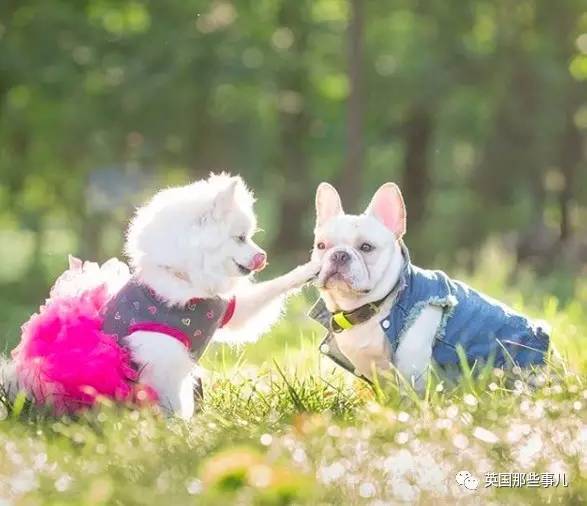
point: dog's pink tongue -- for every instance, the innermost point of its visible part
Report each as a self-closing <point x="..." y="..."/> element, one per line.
<point x="259" y="262"/>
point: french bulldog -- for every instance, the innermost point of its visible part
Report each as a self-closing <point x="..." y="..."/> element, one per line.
<point x="382" y="312"/>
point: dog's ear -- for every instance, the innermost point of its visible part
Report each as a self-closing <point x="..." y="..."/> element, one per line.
<point x="224" y="201"/>
<point x="387" y="205"/>
<point x="327" y="203"/>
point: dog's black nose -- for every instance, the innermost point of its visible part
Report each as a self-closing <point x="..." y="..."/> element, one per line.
<point x="340" y="257"/>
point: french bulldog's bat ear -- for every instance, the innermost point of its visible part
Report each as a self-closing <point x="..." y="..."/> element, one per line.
<point x="387" y="205"/>
<point x="327" y="203"/>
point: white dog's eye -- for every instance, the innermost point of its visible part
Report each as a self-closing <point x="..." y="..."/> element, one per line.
<point x="366" y="247"/>
<point x="321" y="245"/>
<point x="240" y="238"/>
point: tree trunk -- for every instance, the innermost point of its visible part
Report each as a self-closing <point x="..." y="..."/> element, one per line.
<point x="570" y="158"/>
<point x="294" y="124"/>
<point x="416" y="182"/>
<point x="294" y="203"/>
<point x="571" y="141"/>
<point x="351" y="178"/>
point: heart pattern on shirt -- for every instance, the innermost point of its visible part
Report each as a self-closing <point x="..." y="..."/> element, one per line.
<point x="186" y="321"/>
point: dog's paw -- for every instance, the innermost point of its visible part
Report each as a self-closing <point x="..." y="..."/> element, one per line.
<point x="309" y="271"/>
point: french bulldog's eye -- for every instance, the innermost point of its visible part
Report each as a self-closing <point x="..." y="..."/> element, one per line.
<point x="366" y="247"/>
<point x="321" y="245"/>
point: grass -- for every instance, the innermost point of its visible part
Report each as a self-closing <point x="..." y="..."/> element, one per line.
<point x="281" y="426"/>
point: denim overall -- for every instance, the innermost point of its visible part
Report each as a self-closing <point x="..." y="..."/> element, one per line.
<point x="485" y="328"/>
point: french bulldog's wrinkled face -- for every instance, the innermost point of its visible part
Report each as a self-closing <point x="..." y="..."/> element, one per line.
<point x="355" y="251"/>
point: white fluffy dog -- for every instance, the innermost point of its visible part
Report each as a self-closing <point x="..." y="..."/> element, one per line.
<point x="196" y="241"/>
<point x="191" y="252"/>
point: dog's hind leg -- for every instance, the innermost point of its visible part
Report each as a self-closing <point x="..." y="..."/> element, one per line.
<point x="167" y="367"/>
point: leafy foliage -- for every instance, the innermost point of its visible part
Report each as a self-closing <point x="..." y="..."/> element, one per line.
<point x="478" y="110"/>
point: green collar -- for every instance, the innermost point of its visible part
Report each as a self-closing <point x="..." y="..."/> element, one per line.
<point x="344" y="320"/>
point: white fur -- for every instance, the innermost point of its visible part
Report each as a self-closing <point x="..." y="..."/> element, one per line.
<point x="166" y="366"/>
<point x="368" y="277"/>
<point x="184" y="244"/>
<point x="414" y="352"/>
<point x="192" y="231"/>
<point x="365" y="346"/>
<point x="188" y="242"/>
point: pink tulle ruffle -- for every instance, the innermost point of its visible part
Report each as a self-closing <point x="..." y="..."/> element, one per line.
<point x="64" y="359"/>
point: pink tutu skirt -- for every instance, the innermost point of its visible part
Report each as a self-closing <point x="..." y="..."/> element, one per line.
<point x="64" y="360"/>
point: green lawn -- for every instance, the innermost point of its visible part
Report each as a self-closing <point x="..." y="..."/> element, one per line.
<point x="279" y="426"/>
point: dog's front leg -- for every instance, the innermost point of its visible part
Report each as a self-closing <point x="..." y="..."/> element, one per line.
<point x="414" y="353"/>
<point x="257" y="297"/>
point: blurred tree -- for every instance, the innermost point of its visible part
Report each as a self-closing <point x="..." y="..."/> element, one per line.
<point x="351" y="178"/>
<point x="291" y="40"/>
<point x="478" y="109"/>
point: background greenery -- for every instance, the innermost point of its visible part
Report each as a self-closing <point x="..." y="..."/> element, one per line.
<point x="478" y="109"/>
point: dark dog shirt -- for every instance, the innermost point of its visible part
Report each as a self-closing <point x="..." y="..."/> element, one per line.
<point x="137" y="307"/>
